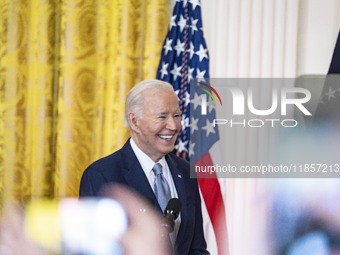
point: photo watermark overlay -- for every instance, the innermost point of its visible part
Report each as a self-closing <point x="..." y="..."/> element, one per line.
<point x="265" y="128"/>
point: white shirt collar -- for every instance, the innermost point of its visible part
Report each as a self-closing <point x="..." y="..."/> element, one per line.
<point x="146" y="162"/>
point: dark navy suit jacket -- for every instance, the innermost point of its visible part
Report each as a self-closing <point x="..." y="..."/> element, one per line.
<point x="123" y="167"/>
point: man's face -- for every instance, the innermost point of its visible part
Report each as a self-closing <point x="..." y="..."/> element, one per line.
<point x="156" y="130"/>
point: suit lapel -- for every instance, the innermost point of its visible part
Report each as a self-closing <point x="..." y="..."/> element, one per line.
<point x="180" y="187"/>
<point x="134" y="174"/>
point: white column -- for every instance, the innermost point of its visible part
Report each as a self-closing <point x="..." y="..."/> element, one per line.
<point x="319" y="23"/>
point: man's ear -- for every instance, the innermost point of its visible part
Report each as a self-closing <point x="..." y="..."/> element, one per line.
<point x="133" y="122"/>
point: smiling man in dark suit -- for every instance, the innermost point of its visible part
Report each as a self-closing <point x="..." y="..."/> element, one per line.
<point x="154" y="118"/>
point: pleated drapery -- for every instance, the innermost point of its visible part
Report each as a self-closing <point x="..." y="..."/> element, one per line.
<point x="65" y="70"/>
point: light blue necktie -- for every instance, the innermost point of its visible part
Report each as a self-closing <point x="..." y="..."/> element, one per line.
<point x="161" y="186"/>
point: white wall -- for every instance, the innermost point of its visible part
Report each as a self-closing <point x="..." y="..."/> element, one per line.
<point x="319" y="23"/>
<point x="270" y="38"/>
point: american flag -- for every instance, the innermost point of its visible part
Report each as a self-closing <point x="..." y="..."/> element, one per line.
<point x="334" y="67"/>
<point x="327" y="111"/>
<point x="185" y="59"/>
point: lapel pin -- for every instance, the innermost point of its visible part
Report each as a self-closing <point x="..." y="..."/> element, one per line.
<point x="179" y="176"/>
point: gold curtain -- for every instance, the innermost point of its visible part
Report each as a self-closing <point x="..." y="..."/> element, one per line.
<point x="65" y="69"/>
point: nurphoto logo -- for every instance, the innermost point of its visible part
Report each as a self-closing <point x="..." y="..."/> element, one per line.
<point x="241" y="102"/>
<point x="210" y="91"/>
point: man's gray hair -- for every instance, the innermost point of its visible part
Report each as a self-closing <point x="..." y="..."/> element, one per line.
<point x="134" y="98"/>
